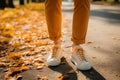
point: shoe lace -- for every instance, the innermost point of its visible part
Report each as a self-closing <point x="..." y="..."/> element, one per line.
<point x="54" y="52"/>
<point x="81" y="54"/>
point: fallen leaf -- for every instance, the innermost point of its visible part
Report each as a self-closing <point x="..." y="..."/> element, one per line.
<point x="114" y="37"/>
<point x="5" y="39"/>
<point x="94" y="57"/>
<point x="16" y="77"/>
<point x="96" y="47"/>
<point x="20" y="62"/>
<point x="10" y="78"/>
<point x="38" y="65"/>
<point x="2" y="64"/>
<point x="13" y="56"/>
<point x="16" y="44"/>
<point x="118" y="75"/>
<point x="39" y="60"/>
<point x="14" y="70"/>
<point x="41" y="43"/>
<point x="71" y="71"/>
<point x="60" y="78"/>
<point x="7" y="14"/>
<point x="63" y="63"/>
<point x="27" y="37"/>
<point x="38" y="77"/>
<point x="89" y="42"/>
<point x="9" y="27"/>
<point x="44" y="78"/>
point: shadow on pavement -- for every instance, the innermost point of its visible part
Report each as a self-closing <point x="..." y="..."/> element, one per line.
<point x="107" y="13"/>
<point x="66" y="70"/>
<point x="92" y="74"/>
<point x="67" y="10"/>
<point x="112" y="15"/>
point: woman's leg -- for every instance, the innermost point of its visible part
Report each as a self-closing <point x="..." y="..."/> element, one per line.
<point x="80" y="21"/>
<point x="54" y="19"/>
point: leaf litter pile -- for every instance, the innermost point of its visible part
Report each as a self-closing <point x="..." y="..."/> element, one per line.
<point x="23" y="40"/>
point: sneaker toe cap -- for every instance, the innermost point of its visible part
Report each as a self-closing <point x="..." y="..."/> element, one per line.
<point x="53" y="62"/>
<point x="84" y="66"/>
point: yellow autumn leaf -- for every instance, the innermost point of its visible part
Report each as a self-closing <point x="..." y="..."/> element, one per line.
<point x="36" y="64"/>
<point x="35" y="30"/>
<point x="2" y="27"/>
<point x="2" y="64"/>
<point x="40" y="60"/>
<point x="27" y="37"/>
<point x="13" y="70"/>
<point x="19" y="62"/>
<point x="7" y="14"/>
<point x="9" y="27"/>
<point x="46" y="30"/>
<point x="60" y="78"/>
<point x="44" y="78"/>
<point x="16" y="77"/>
<point x="89" y="42"/>
<point x="10" y="78"/>
<point x="8" y="33"/>
<point x="16" y="44"/>
<point x="41" y="43"/>
<point x="5" y="39"/>
<point x="13" y="56"/>
<point x="114" y="37"/>
<point x="18" y="69"/>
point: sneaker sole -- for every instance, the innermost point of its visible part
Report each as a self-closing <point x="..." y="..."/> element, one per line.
<point x="74" y="62"/>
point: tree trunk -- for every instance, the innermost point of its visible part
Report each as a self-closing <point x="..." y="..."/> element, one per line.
<point x="21" y="2"/>
<point x="33" y="0"/>
<point x="41" y="0"/>
<point x="10" y="4"/>
<point x="97" y="0"/>
<point x="28" y="1"/>
<point x="116" y="1"/>
<point x="3" y="4"/>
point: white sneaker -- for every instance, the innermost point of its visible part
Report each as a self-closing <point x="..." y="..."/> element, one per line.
<point x="79" y="59"/>
<point x="54" y="58"/>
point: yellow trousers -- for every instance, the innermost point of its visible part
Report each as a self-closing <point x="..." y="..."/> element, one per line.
<point x="80" y="19"/>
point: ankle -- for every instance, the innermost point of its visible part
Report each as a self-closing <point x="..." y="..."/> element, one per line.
<point x="57" y="42"/>
<point x="76" y="47"/>
<point x="75" y="44"/>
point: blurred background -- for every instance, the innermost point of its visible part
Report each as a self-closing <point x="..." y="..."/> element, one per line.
<point x="11" y="3"/>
